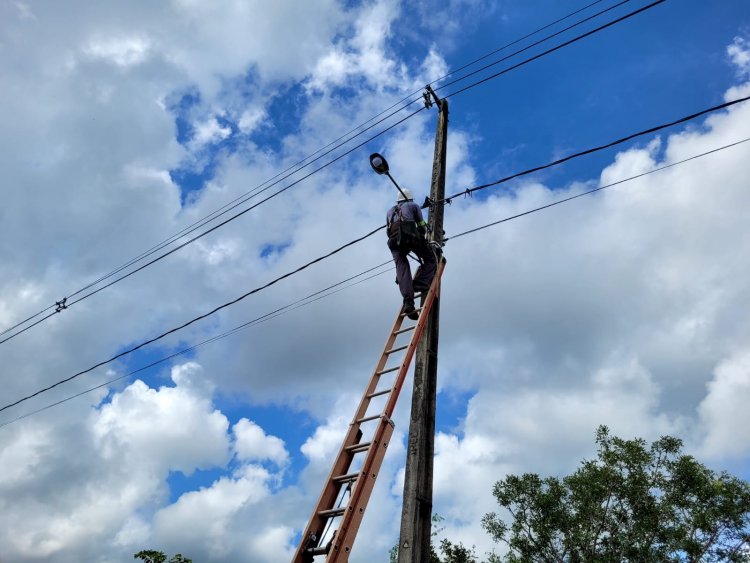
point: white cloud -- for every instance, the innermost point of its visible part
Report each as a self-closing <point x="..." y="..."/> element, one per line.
<point x="617" y="308"/>
<point x="253" y="444"/>
<point x="192" y="435"/>
<point x="208" y="512"/>
<point x="124" y="52"/>
<point x="209" y="131"/>
<point x="324" y="443"/>
<point x="724" y="410"/>
<point x="739" y="53"/>
<point x="251" y="119"/>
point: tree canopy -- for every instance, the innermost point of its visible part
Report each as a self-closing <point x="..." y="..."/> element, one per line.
<point x="151" y="556"/>
<point x="631" y="503"/>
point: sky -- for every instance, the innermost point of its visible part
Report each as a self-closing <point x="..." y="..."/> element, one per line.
<point x="126" y="123"/>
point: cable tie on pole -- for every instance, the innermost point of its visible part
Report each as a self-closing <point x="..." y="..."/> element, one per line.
<point x="60" y="305"/>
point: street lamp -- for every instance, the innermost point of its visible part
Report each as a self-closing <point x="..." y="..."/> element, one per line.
<point x="380" y="166"/>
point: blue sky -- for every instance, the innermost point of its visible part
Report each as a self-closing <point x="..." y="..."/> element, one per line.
<point x="125" y="124"/>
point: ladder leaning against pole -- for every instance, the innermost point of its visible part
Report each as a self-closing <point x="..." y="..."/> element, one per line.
<point x="354" y="475"/>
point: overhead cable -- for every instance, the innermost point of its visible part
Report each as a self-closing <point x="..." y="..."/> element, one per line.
<point x="594" y="190"/>
<point x="532" y="45"/>
<point x="648" y="131"/>
<point x="557" y="48"/>
<point x="322" y="295"/>
<point x="448" y="199"/>
<point x="215" y="227"/>
<point x="303" y="302"/>
<point x="194" y="320"/>
<point x="275" y="179"/>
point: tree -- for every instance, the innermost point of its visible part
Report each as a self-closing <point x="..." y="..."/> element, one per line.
<point x="452" y="553"/>
<point x="151" y="556"/>
<point x="632" y="503"/>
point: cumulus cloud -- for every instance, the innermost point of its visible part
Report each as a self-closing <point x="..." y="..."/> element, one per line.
<point x="623" y="308"/>
<point x="739" y="53"/>
<point x="724" y="410"/>
<point x="253" y="444"/>
<point x="192" y="434"/>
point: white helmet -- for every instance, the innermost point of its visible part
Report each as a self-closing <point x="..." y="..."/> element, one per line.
<point x="404" y="192"/>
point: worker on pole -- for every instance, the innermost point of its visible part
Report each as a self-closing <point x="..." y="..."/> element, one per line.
<point x="407" y="232"/>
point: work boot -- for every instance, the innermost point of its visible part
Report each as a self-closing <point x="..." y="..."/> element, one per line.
<point x="410" y="311"/>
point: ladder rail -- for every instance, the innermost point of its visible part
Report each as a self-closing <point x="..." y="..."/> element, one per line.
<point x="362" y="486"/>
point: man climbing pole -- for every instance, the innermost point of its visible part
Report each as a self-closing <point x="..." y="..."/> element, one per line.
<point x="406" y="233"/>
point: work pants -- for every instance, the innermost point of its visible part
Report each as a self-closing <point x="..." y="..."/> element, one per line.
<point x="403" y="270"/>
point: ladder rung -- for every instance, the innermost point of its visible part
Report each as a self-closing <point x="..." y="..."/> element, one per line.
<point x="351" y="477"/>
<point x="358" y="447"/>
<point x="419" y="310"/>
<point x="378" y="393"/>
<point x="318" y="550"/>
<point x="394" y="350"/>
<point x="389" y="370"/>
<point x="368" y="418"/>
<point x="403" y="330"/>
<point x="333" y="512"/>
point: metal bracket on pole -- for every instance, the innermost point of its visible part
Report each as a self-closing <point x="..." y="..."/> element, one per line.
<point x="429" y="95"/>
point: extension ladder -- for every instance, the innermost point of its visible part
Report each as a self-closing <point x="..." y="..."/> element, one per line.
<point x="355" y="474"/>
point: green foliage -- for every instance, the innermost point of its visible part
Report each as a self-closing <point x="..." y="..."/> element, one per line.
<point x="451" y="553"/>
<point x="456" y="553"/>
<point x="633" y="503"/>
<point x="151" y="556"/>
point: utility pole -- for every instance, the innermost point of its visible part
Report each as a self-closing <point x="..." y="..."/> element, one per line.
<point x="416" y="512"/>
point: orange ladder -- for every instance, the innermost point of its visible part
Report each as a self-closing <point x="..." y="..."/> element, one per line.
<point x="345" y="519"/>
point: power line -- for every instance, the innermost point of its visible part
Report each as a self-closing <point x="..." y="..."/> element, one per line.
<point x="690" y="117"/>
<point x="321" y="294"/>
<point x="487" y="55"/>
<point x="194" y="320"/>
<point x="63" y="304"/>
<point x="536" y="43"/>
<point x="303" y="302"/>
<point x="600" y="188"/>
<point x="241" y="199"/>
<point x="557" y="48"/>
<point x="465" y="192"/>
<point x="232" y="218"/>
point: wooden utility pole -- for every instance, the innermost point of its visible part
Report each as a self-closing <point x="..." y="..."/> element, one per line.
<point x="416" y="512"/>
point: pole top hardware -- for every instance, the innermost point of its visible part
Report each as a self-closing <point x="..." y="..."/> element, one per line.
<point x="429" y="95"/>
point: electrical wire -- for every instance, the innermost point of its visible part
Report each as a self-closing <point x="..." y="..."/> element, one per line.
<point x="194" y="320"/>
<point x="527" y="36"/>
<point x="62" y="305"/>
<point x="215" y="227"/>
<point x="303" y="302"/>
<point x="532" y="45"/>
<point x="321" y="294"/>
<point x="654" y="129"/>
<point x="558" y="47"/>
<point x="448" y="199"/>
<point x="294" y="168"/>
<point x="594" y="190"/>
